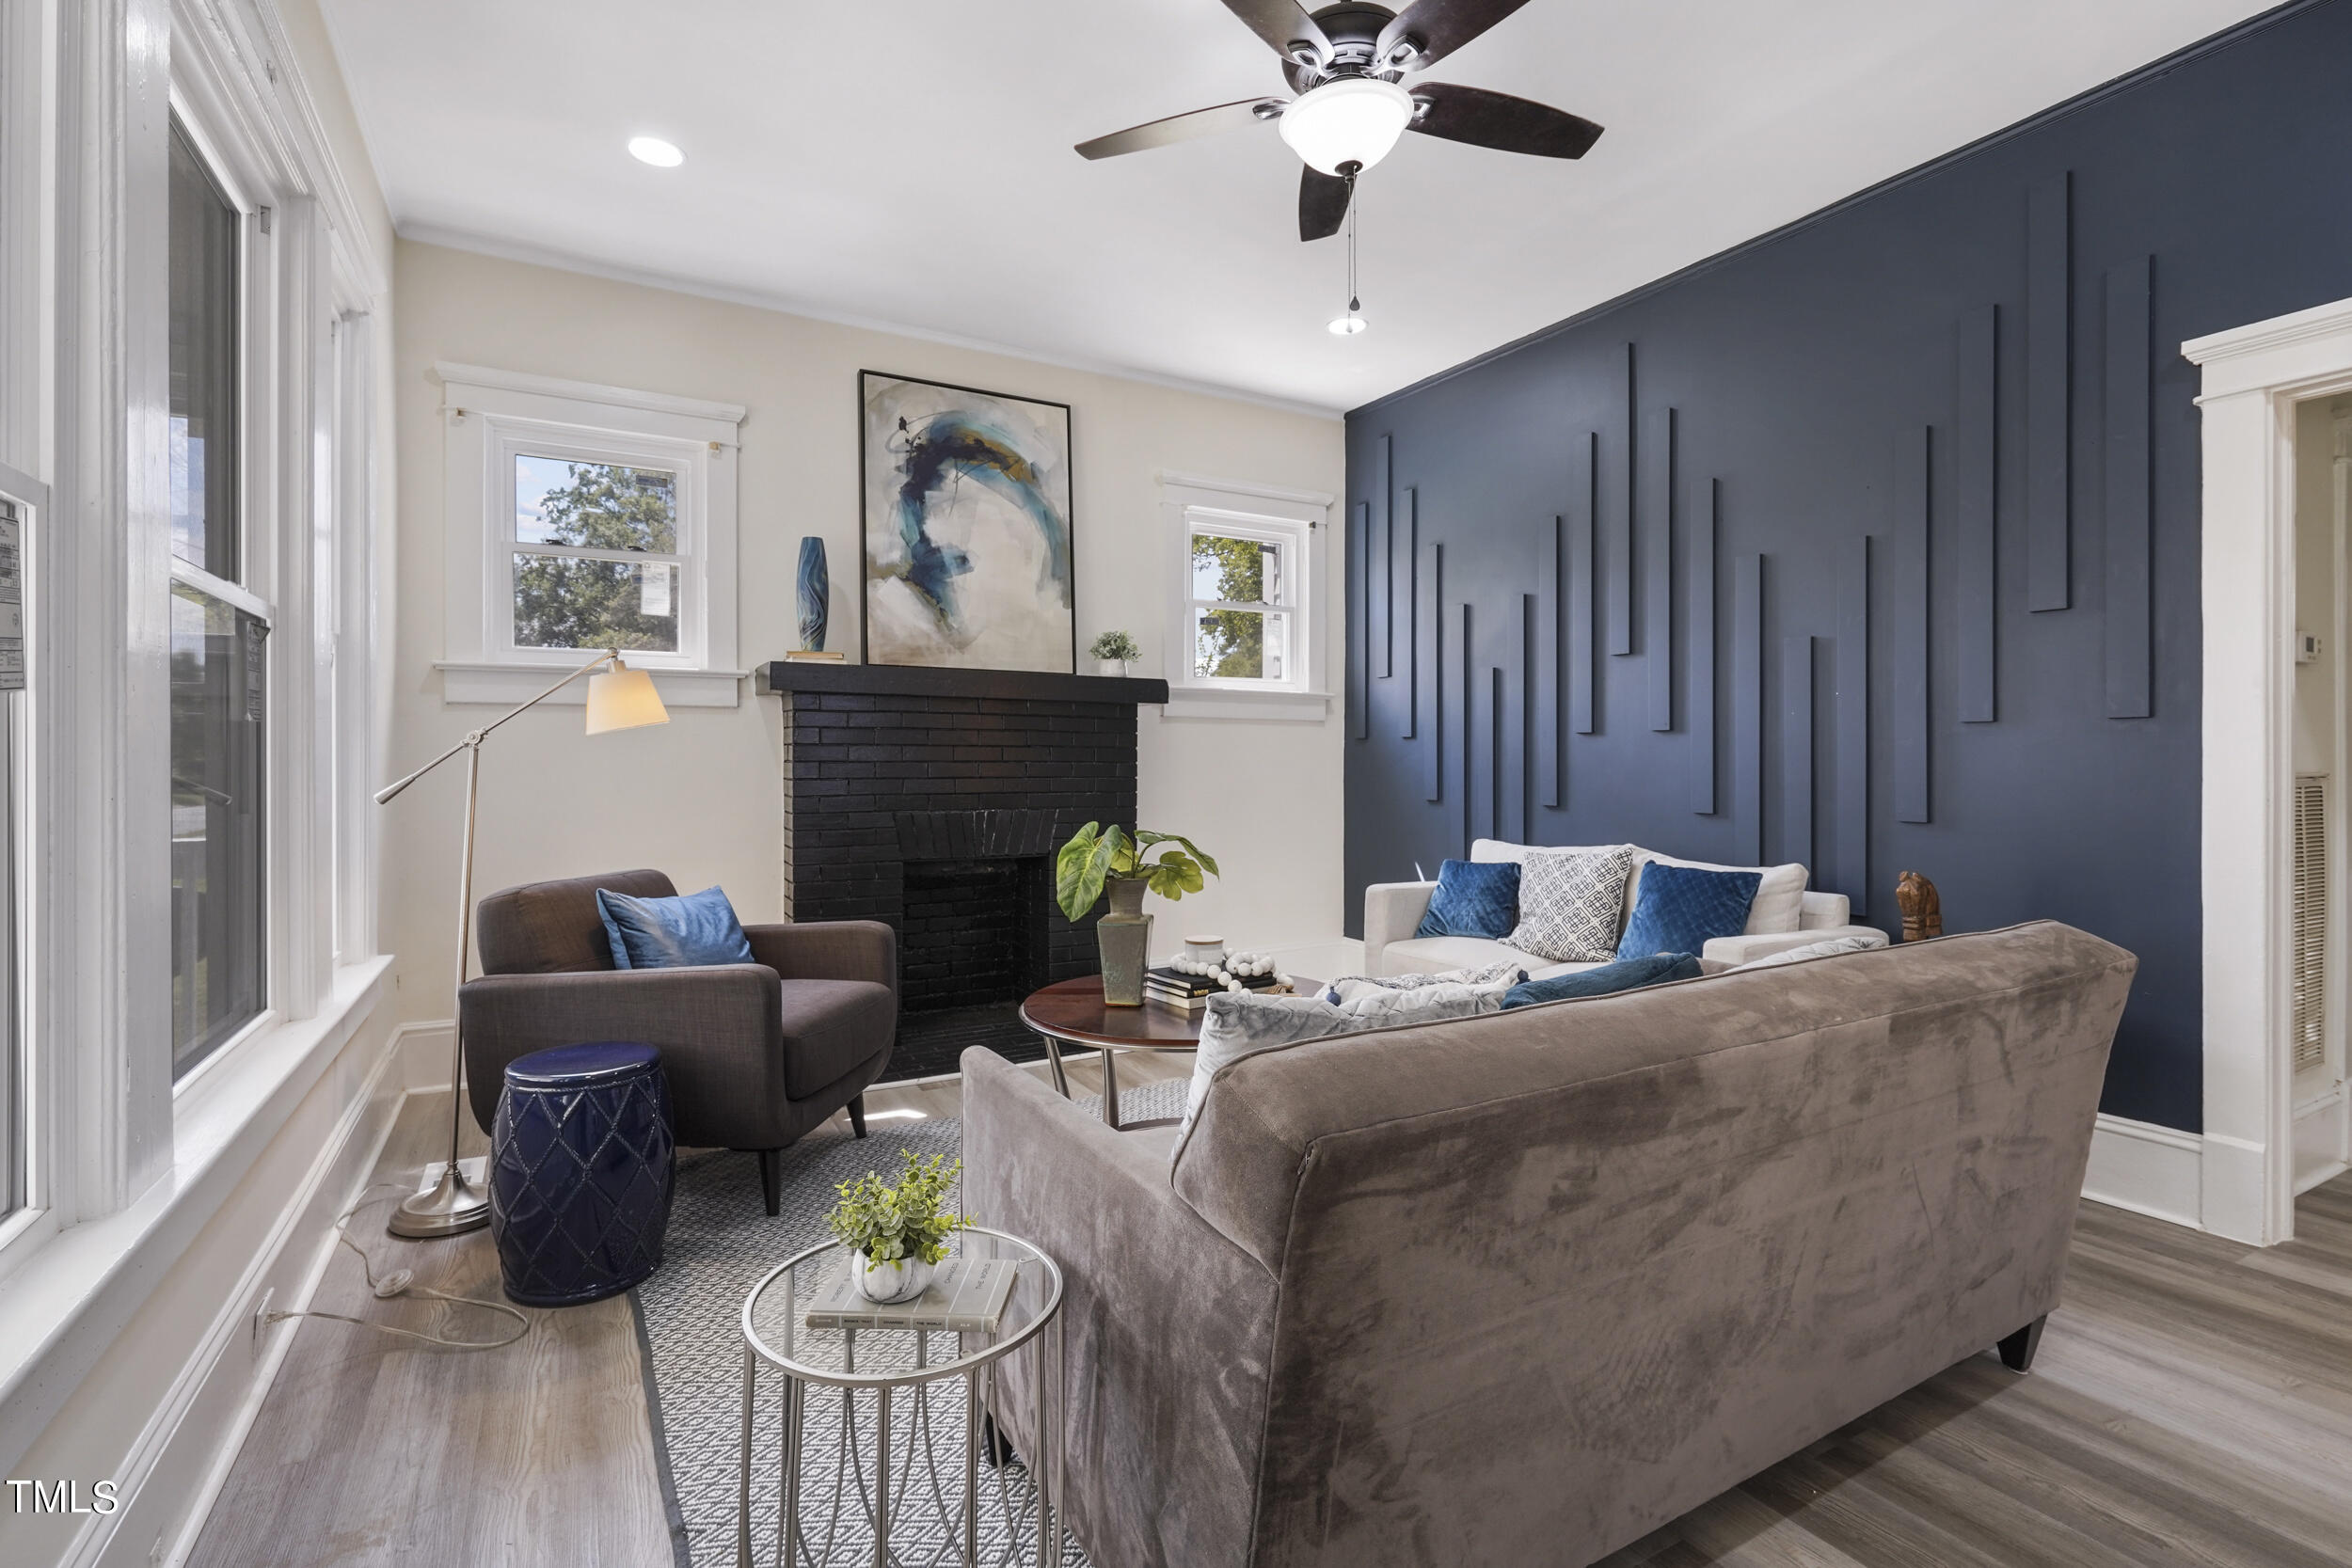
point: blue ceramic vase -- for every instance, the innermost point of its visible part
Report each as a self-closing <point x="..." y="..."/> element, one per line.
<point x="815" y="593"/>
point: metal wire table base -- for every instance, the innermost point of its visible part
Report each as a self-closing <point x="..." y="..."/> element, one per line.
<point x="1018" y="1520"/>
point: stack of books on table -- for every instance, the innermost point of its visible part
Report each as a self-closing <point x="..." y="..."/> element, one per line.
<point x="1189" y="993"/>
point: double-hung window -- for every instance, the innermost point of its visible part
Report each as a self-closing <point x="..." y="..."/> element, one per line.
<point x="1245" y="623"/>
<point x="218" y="628"/>
<point x="581" y="518"/>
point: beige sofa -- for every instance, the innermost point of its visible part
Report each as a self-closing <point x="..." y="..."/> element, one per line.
<point x="1392" y="913"/>
<point x="1520" y="1289"/>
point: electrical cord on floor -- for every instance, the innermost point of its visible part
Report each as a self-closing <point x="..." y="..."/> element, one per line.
<point x="400" y="1282"/>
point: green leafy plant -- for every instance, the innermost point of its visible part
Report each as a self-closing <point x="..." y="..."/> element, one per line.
<point x="1117" y="645"/>
<point x="1097" y="852"/>
<point x="887" y="1223"/>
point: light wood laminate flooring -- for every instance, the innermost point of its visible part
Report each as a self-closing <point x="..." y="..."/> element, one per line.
<point x="2192" y="1404"/>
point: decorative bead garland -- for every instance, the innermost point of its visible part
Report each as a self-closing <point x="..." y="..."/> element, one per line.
<point x="1233" y="970"/>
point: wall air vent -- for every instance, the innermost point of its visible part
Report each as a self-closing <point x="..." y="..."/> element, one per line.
<point x="2310" y="921"/>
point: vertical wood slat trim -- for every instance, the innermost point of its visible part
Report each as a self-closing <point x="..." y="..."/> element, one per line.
<point x="1469" y="726"/>
<point x="1621" y="526"/>
<point x="1581" y="592"/>
<point x="1909" y="632"/>
<point x="1547" y="687"/>
<point x="1523" y="715"/>
<point x="1497" y="749"/>
<point x="1702" y="699"/>
<point x="2129" y="653"/>
<point x="1975" y="465"/>
<point x="1747" y="705"/>
<point x="2049" y="357"/>
<point x="1796" y="749"/>
<point x="1381" y="551"/>
<point x="1852" y="835"/>
<point x="1359" y="618"/>
<point x="1658" y="615"/>
<point x="1410" y="534"/>
<point x="1429" y="585"/>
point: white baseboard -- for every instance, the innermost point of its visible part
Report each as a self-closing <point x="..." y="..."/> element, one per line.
<point x="2147" y="1169"/>
<point x="174" y="1472"/>
<point x="422" y="1047"/>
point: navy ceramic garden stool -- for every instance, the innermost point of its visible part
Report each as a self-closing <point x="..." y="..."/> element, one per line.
<point x="580" y="1160"/>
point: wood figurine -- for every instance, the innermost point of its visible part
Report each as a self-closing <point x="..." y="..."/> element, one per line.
<point x="1923" y="911"/>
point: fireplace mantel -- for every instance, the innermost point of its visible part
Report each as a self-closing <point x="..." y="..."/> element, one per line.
<point x="901" y="680"/>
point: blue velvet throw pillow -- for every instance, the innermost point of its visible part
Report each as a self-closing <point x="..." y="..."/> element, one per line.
<point x="1474" y="899"/>
<point x="1680" y="909"/>
<point x="672" y="933"/>
<point x="1624" y="974"/>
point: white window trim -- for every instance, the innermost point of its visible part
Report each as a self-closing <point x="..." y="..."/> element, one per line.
<point x="1304" y="699"/>
<point x="486" y="416"/>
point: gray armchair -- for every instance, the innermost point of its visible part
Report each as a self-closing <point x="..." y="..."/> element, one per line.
<point x="757" y="1055"/>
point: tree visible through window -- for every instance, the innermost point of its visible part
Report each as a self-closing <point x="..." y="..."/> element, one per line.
<point x="1241" y="627"/>
<point x="596" y="556"/>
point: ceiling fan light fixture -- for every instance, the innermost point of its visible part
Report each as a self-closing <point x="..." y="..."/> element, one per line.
<point x="1354" y="119"/>
<point x="1349" y="324"/>
<point x="654" y="151"/>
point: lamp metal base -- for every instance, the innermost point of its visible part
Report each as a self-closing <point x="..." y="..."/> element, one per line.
<point x="452" y="1207"/>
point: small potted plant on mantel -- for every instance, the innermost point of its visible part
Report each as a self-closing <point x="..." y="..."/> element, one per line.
<point x="1099" y="856"/>
<point x="1113" y="652"/>
<point x="897" y="1235"/>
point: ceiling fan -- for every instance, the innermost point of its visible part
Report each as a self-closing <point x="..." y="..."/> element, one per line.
<point x="1345" y="63"/>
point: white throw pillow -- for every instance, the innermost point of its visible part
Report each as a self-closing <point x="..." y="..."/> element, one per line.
<point x="1234" y="1026"/>
<point x="1349" y="988"/>
<point x="1572" y="903"/>
<point x="1779" y="896"/>
<point x="1857" y="944"/>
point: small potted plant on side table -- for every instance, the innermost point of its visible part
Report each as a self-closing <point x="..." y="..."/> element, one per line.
<point x="1113" y="652"/>
<point x="896" y="1235"/>
<point x="1098" y="857"/>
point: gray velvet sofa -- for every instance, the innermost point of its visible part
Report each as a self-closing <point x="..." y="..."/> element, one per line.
<point x="1520" y="1289"/>
<point x="757" y="1055"/>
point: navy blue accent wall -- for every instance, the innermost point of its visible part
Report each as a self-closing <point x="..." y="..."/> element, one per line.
<point x="1929" y="401"/>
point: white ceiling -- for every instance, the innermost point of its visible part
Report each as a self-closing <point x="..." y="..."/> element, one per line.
<point x="908" y="163"/>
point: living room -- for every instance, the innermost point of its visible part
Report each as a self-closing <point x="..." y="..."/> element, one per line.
<point x="1570" y="795"/>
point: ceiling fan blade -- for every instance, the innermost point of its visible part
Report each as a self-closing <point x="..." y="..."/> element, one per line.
<point x="1322" y="200"/>
<point x="1282" y="23"/>
<point x="1441" y="26"/>
<point x="1497" y="120"/>
<point x="1184" y="127"/>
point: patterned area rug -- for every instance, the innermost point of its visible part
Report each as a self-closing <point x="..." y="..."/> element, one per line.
<point x="718" y="1243"/>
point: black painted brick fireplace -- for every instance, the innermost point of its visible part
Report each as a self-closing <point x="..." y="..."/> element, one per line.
<point x="934" y="799"/>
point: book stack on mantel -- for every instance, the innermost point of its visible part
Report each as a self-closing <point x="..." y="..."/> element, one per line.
<point x="814" y="656"/>
<point x="1189" y="993"/>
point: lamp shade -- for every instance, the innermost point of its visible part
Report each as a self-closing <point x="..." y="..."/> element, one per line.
<point x="1354" y="119"/>
<point x="623" y="699"/>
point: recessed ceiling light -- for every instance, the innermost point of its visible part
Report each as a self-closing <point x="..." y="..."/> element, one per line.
<point x="654" y="151"/>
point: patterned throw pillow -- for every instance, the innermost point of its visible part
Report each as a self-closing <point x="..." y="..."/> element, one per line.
<point x="1234" y="1026"/>
<point x="1474" y="899"/>
<point x="1570" y="903"/>
<point x="1680" y="909"/>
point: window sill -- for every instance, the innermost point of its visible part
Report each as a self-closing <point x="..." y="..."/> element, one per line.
<point x="1218" y="702"/>
<point x="504" y="685"/>
<point x="63" y="1307"/>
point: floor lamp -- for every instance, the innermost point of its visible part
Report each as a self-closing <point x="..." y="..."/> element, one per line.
<point x="618" y="699"/>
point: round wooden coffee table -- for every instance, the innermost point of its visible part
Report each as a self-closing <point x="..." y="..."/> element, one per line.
<point x="1073" y="1012"/>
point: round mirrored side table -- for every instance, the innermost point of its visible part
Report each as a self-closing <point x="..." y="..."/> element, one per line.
<point x="885" y="1389"/>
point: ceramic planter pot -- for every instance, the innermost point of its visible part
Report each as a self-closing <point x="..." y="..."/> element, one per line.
<point x="1110" y="667"/>
<point x="1124" y="936"/>
<point x="900" y="1279"/>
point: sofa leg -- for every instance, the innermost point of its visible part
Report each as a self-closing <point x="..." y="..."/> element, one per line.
<point x="994" y="1446"/>
<point x="772" y="1179"/>
<point x="2017" y="1350"/>
<point x="857" y="1117"/>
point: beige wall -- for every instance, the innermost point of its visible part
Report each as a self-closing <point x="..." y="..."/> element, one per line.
<point x="700" y="798"/>
<point x="2316" y="705"/>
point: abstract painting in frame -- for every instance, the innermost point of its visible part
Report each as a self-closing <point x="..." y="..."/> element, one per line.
<point x="966" y="513"/>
